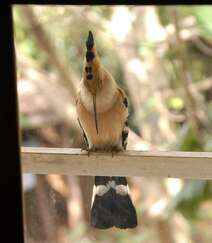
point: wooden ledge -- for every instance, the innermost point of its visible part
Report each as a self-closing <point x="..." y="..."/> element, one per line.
<point x="193" y="165"/>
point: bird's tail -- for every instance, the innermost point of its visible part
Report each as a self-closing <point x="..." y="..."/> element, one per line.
<point x="111" y="204"/>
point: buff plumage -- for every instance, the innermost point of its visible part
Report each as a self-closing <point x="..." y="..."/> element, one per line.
<point x="102" y="109"/>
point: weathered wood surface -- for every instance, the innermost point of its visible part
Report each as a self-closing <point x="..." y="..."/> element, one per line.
<point x="195" y="165"/>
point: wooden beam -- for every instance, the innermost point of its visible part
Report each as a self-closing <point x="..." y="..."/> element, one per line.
<point x="193" y="165"/>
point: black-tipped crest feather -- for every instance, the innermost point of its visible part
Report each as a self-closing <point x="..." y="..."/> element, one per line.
<point x="89" y="45"/>
<point x="90" y="41"/>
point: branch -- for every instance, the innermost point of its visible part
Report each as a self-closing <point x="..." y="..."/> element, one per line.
<point x="54" y="57"/>
<point x="185" y="78"/>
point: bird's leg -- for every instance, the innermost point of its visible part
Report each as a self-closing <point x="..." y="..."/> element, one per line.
<point x="89" y="150"/>
<point x="115" y="149"/>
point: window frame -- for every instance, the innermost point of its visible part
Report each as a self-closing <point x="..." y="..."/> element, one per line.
<point x="10" y="180"/>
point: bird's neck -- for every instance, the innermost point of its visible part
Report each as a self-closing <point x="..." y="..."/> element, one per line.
<point x="105" y="94"/>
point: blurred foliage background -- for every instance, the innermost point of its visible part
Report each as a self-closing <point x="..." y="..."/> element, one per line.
<point x="162" y="57"/>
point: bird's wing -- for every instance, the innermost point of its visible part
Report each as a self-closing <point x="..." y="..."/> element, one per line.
<point x="83" y="132"/>
<point x="125" y="132"/>
<point x="124" y="137"/>
<point x="84" y="135"/>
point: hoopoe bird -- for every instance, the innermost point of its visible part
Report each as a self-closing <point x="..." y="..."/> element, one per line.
<point x="102" y="110"/>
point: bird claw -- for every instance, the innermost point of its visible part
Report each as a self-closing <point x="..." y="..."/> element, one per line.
<point x="115" y="150"/>
<point x="82" y="149"/>
<point x="89" y="150"/>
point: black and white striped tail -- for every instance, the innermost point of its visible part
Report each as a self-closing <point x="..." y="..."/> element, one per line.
<point x="111" y="204"/>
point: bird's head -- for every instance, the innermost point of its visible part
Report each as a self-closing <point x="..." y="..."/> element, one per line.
<point x="92" y="69"/>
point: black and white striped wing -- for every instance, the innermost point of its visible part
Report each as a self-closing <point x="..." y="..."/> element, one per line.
<point x="125" y="132"/>
<point x="84" y="135"/>
<point x="124" y="136"/>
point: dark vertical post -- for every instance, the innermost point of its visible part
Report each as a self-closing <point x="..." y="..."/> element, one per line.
<point x="11" y="215"/>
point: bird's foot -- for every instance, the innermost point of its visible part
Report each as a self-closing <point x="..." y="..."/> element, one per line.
<point x="89" y="150"/>
<point x="115" y="150"/>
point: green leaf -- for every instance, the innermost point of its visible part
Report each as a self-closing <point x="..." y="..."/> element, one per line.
<point x="175" y="103"/>
<point x="188" y="200"/>
<point x="203" y="16"/>
<point x="187" y="139"/>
